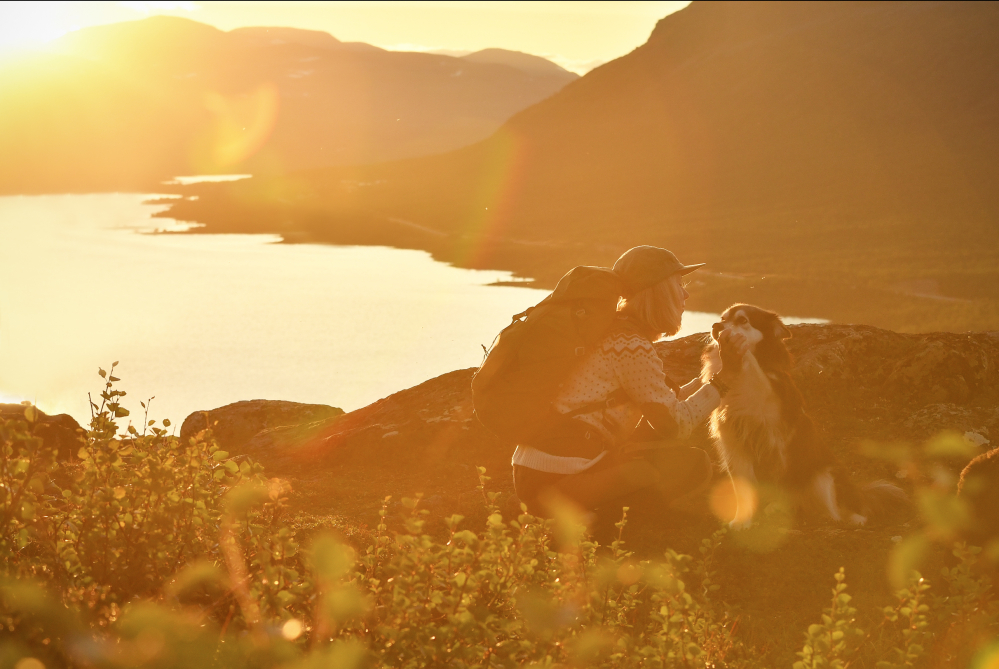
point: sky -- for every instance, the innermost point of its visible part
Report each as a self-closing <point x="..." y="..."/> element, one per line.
<point x="576" y="35"/>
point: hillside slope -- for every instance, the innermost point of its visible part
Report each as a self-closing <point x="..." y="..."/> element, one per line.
<point x="862" y="386"/>
<point x="849" y="148"/>
<point x="128" y="105"/>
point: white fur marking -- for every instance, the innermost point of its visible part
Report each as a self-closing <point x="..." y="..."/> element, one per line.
<point x="825" y="490"/>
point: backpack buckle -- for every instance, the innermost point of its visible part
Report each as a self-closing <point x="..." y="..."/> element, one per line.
<point x="580" y="350"/>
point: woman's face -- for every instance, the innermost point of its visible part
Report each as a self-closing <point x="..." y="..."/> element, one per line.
<point x="680" y="290"/>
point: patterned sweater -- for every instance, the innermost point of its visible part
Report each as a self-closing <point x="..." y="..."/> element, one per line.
<point x="626" y="361"/>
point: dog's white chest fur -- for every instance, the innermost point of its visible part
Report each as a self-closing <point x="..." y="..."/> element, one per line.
<point x="747" y="426"/>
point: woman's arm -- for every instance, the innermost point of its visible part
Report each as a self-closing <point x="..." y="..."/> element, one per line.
<point x="642" y="378"/>
<point x="690" y="388"/>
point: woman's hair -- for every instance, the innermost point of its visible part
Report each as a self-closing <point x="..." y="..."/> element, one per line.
<point x="659" y="307"/>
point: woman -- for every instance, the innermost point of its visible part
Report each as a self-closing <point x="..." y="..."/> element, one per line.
<point x="597" y="456"/>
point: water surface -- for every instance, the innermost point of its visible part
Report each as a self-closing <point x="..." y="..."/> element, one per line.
<point x="199" y="321"/>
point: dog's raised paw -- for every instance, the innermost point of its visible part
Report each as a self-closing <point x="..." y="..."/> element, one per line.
<point x="740" y="524"/>
<point x="858" y="520"/>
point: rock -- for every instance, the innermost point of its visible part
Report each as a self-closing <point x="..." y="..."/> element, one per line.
<point x="60" y="431"/>
<point x="235" y="425"/>
<point x="859" y="382"/>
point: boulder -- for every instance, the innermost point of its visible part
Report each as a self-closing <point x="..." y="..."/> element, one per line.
<point x="61" y="431"/>
<point x="235" y="425"/>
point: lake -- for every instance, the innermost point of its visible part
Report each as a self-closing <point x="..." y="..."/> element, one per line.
<point x="200" y="320"/>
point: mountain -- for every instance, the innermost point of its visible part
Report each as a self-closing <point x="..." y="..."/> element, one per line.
<point x="825" y="158"/>
<point x="128" y="105"/>
<point x="521" y="61"/>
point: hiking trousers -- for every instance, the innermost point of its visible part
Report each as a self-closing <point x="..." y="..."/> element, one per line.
<point x="664" y="470"/>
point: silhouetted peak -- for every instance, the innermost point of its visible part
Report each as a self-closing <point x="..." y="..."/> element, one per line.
<point x="519" y="60"/>
<point x="153" y="37"/>
<point x="264" y="36"/>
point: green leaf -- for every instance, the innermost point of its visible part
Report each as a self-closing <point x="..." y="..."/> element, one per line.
<point x="344" y="603"/>
<point x="102" y="373"/>
<point x="905" y="558"/>
<point x="950" y="444"/>
<point x="198" y="575"/>
<point x="331" y="559"/>
<point x="220" y="455"/>
<point x="245" y="497"/>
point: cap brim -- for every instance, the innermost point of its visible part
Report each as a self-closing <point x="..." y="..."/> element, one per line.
<point x="687" y="269"/>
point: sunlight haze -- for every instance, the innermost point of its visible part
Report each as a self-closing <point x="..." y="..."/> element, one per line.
<point x="576" y="35"/>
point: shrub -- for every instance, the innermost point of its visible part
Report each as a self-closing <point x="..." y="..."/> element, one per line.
<point x="150" y="551"/>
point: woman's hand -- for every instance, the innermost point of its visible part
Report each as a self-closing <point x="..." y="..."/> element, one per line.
<point x="732" y="346"/>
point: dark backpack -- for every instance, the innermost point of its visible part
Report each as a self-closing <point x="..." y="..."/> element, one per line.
<point x="514" y="388"/>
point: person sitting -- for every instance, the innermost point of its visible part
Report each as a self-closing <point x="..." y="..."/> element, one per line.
<point x="633" y="441"/>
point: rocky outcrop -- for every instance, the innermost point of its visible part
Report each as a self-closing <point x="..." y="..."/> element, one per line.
<point x="252" y="427"/>
<point x="61" y="431"/>
<point x="859" y="382"/>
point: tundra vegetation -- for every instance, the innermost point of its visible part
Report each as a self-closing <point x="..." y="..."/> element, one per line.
<point x="146" y="550"/>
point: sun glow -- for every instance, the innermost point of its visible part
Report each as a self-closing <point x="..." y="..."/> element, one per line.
<point x="29" y="25"/>
<point x="576" y="35"/>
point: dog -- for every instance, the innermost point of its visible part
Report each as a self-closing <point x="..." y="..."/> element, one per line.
<point x="763" y="435"/>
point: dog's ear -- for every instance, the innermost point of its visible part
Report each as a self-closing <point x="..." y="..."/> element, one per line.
<point x="780" y="330"/>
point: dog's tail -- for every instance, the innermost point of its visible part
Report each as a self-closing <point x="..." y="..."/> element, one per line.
<point x="886" y="502"/>
<point x="878" y="502"/>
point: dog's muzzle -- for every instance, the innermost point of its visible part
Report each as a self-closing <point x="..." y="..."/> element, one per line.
<point x="716" y="330"/>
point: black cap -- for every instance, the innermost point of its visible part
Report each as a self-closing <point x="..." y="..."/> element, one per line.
<point x="647" y="266"/>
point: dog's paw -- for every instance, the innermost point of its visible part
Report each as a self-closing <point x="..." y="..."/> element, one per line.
<point x="741" y="524"/>
<point x="858" y="520"/>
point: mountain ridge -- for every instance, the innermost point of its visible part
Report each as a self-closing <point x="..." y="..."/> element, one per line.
<point x="843" y="147"/>
<point x="128" y="105"/>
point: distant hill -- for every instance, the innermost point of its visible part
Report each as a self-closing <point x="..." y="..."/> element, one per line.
<point x="127" y="105"/>
<point x="847" y="152"/>
<point x="522" y="61"/>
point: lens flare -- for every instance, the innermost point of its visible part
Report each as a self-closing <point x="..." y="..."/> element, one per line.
<point x="241" y="125"/>
<point x="496" y="193"/>
<point x="734" y="500"/>
<point x="292" y="629"/>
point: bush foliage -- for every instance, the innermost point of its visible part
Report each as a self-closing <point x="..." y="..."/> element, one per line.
<point x="151" y="551"/>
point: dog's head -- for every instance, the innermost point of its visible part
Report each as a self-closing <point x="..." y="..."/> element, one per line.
<point x="762" y="329"/>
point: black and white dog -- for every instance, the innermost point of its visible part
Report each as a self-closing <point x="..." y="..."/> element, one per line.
<point x="763" y="434"/>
